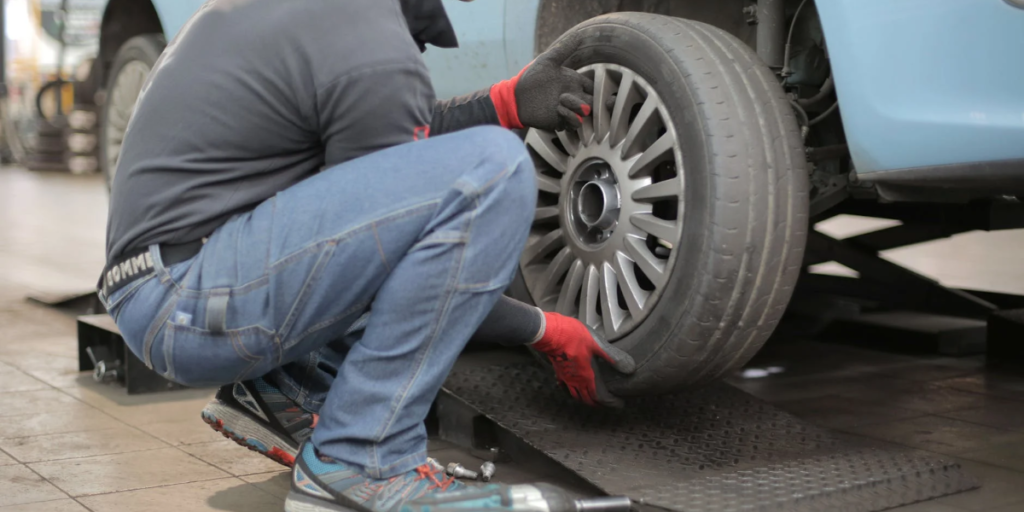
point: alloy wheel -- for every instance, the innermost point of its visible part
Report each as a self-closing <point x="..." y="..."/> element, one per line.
<point x="610" y="207"/>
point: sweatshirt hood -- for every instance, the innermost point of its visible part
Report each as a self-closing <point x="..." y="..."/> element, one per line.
<point x="428" y="23"/>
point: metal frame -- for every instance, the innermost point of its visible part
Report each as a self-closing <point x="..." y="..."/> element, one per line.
<point x="889" y="285"/>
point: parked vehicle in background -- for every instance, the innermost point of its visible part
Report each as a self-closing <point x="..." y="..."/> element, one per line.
<point x="675" y="219"/>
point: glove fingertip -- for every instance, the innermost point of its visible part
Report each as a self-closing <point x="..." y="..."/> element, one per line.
<point x="574" y="393"/>
<point x="618" y="358"/>
<point x="613" y="402"/>
<point x="624" y="363"/>
<point x="570" y="118"/>
<point x="588" y="85"/>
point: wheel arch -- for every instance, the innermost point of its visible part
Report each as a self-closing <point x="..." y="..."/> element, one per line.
<point x="555" y="17"/>
<point x="123" y="20"/>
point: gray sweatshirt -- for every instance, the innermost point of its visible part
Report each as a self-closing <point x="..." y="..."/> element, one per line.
<point x="253" y="96"/>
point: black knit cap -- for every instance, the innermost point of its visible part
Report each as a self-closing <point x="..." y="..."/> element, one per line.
<point x="429" y="24"/>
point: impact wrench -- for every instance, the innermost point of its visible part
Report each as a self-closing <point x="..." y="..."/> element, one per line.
<point x="604" y="504"/>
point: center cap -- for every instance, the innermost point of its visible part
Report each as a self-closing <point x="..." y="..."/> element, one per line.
<point x="594" y="203"/>
<point x="598" y="204"/>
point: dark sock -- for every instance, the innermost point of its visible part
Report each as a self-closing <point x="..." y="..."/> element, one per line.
<point x="511" y="323"/>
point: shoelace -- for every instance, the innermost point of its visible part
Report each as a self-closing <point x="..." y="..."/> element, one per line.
<point x="427" y="470"/>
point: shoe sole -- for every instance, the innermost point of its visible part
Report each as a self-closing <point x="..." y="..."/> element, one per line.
<point x="298" y="502"/>
<point x="247" y="432"/>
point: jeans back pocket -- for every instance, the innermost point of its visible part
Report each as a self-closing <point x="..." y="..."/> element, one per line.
<point x="199" y="358"/>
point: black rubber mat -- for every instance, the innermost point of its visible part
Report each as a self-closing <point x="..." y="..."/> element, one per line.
<point x="715" y="449"/>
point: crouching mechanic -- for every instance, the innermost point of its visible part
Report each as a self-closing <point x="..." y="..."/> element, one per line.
<point x="281" y="225"/>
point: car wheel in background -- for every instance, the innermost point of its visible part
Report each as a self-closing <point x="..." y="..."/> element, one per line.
<point x="128" y="73"/>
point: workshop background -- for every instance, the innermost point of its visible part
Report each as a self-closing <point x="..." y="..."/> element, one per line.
<point x="74" y="440"/>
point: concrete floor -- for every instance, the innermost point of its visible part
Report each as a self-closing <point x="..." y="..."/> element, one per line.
<point x="68" y="444"/>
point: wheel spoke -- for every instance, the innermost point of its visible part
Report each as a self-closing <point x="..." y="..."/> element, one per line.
<point x="570" y="140"/>
<point x="667" y="189"/>
<point x="660" y="228"/>
<point x="644" y="116"/>
<point x="586" y="131"/>
<point x="636" y="297"/>
<point x="652" y="155"/>
<point x="541" y="142"/>
<point x="588" y="300"/>
<point x="602" y="91"/>
<point x="540" y="247"/>
<point x="548" y="184"/>
<point x="650" y="265"/>
<point x="620" y="117"/>
<point x="571" y="288"/>
<point x="545" y="213"/>
<point x="611" y="313"/>
<point x="558" y="267"/>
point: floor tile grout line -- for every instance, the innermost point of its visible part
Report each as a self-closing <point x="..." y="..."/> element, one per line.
<point x="88" y="430"/>
<point x="967" y="456"/>
<point x="956" y="458"/>
<point x="12" y="457"/>
<point x="47" y="480"/>
<point x="36" y="502"/>
<point x="115" y="418"/>
<point x="18" y="369"/>
<point x="264" y="491"/>
<point x="1008" y="429"/>
<point x="937" y="415"/>
<point x="840" y="428"/>
<point x="158" y="486"/>
<point x="167" y="444"/>
<point x="83" y="505"/>
<point x="208" y="463"/>
<point x="982" y="393"/>
<point x="96" y="455"/>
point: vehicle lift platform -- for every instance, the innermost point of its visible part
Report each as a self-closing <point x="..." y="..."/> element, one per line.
<point x="713" y="449"/>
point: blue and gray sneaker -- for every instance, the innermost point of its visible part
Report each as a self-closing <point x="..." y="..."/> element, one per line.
<point x="321" y="484"/>
<point x="259" y="417"/>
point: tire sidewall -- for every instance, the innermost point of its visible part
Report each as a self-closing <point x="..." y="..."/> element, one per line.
<point x="145" y="48"/>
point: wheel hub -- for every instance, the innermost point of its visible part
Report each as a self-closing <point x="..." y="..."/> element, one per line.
<point x="595" y="200"/>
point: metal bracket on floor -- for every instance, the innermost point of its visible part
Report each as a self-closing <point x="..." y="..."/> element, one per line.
<point x="102" y="350"/>
<point x="85" y="303"/>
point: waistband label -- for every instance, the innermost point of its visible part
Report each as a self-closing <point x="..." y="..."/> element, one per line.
<point x="127" y="269"/>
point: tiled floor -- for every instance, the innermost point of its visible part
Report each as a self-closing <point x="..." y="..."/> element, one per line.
<point x="68" y="444"/>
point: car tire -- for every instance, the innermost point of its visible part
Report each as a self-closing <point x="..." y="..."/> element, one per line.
<point x="131" y="66"/>
<point x="740" y="210"/>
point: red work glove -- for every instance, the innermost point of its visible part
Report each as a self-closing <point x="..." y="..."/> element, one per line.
<point x="573" y="350"/>
<point x="545" y="94"/>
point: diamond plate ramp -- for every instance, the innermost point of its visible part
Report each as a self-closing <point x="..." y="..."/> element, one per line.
<point x="714" y="449"/>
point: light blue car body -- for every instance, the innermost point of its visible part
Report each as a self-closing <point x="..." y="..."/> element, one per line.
<point x="921" y="83"/>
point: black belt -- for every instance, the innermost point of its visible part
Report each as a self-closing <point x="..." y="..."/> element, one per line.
<point x="137" y="264"/>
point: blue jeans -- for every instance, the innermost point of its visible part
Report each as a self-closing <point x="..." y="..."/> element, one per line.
<point x="428" y="234"/>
